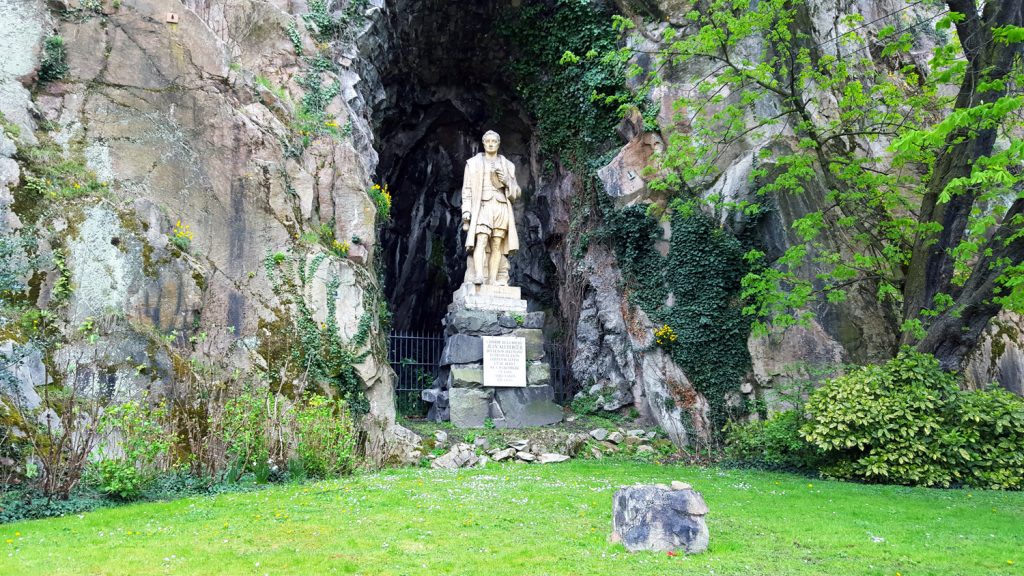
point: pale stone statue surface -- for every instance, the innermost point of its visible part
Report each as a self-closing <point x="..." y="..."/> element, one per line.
<point x="489" y="188"/>
<point x="493" y="365"/>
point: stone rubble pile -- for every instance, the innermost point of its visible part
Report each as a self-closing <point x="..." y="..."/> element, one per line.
<point x="601" y="441"/>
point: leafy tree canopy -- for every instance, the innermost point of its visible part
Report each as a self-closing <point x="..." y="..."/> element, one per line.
<point x="918" y="159"/>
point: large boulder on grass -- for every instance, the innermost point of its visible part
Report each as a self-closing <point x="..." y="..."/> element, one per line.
<point x="660" y="518"/>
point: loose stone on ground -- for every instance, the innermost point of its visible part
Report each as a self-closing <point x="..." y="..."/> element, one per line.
<point x="660" y="518"/>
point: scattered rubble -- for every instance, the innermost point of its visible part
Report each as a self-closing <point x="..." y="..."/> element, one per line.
<point x="595" y="444"/>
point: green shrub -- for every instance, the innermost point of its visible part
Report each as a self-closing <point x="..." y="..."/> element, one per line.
<point x="244" y="433"/>
<point x="325" y="437"/>
<point x="907" y="422"/>
<point x="136" y="431"/>
<point x="774" y="443"/>
<point x="988" y="439"/>
<point x="54" y="65"/>
<point x="27" y="504"/>
<point x="120" y="479"/>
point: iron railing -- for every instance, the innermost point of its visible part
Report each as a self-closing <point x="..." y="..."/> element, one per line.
<point x="414" y="356"/>
<point x="561" y="378"/>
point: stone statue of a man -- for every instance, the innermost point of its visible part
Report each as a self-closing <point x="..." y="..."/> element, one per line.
<point x="488" y="190"/>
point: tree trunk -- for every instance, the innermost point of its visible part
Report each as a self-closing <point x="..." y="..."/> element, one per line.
<point x="951" y="335"/>
<point x="954" y="333"/>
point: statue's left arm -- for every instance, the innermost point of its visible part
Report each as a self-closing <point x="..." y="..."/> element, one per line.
<point x="514" y="192"/>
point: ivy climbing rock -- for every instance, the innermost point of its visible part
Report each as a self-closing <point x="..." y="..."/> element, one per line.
<point x="335" y="310"/>
<point x="618" y="364"/>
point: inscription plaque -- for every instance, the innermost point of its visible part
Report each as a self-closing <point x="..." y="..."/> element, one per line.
<point x="504" y="361"/>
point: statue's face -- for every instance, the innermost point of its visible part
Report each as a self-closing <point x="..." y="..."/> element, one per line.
<point x="491" y="144"/>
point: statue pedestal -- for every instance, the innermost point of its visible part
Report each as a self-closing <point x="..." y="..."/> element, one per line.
<point x="463" y="392"/>
<point x="492" y="298"/>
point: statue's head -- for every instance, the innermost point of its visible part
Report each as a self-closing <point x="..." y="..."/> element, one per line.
<point x="491" y="141"/>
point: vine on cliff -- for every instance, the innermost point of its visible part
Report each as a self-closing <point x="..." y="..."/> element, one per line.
<point x="693" y="290"/>
<point x="573" y="78"/>
<point x="316" y="348"/>
<point x="573" y="91"/>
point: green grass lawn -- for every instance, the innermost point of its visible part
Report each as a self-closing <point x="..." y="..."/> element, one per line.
<point x="517" y="520"/>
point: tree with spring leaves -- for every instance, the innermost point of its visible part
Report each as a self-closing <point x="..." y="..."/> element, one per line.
<point x="919" y="160"/>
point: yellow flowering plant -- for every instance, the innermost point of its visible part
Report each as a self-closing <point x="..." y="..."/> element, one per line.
<point x="181" y="236"/>
<point x="382" y="198"/>
<point x="665" y="335"/>
<point x="340" y="248"/>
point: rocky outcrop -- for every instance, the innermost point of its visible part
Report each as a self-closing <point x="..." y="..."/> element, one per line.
<point x="617" y="364"/>
<point x="23" y="24"/>
<point x="999" y="356"/>
<point x="200" y="119"/>
<point x="193" y="115"/>
<point x="613" y="366"/>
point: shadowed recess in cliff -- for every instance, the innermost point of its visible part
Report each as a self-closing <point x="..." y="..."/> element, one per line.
<point x="447" y="82"/>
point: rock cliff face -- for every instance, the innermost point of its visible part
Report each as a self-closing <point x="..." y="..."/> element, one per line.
<point x="858" y="330"/>
<point x="618" y="364"/>
<point x="616" y="368"/>
<point x="192" y="116"/>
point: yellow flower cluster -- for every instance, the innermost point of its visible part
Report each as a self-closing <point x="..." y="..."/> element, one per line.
<point x="382" y="197"/>
<point x="182" y="231"/>
<point x="665" y="335"/>
<point x="341" y="248"/>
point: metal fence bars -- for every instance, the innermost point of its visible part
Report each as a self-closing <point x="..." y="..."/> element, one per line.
<point x="561" y="378"/>
<point x="415" y="355"/>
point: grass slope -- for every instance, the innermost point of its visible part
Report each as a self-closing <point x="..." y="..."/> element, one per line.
<point x="531" y="520"/>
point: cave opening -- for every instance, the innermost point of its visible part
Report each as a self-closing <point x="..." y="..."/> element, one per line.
<point x="447" y="81"/>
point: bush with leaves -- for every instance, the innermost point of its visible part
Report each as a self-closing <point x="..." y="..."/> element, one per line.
<point x="62" y="430"/>
<point x="907" y="422"/>
<point x="244" y="430"/>
<point x="325" y="437"/>
<point x="988" y="440"/>
<point x="54" y="65"/>
<point x="774" y="443"/>
<point x="135" y="430"/>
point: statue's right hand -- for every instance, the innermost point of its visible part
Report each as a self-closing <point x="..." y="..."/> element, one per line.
<point x="465" y="225"/>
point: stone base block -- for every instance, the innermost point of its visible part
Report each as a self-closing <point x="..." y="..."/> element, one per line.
<point x="462" y="349"/>
<point x="534" y="342"/>
<point x="538" y="374"/>
<point x="467" y="376"/>
<point x="469" y="407"/>
<point x="524" y="407"/>
<point x="494" y="298"/>
<point x="513" y="292"/>
<point x="473" y="323"/>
